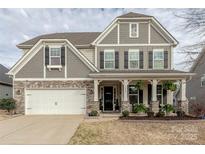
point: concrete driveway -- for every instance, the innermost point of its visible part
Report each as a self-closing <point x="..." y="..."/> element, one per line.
<point x="39" y="129"/>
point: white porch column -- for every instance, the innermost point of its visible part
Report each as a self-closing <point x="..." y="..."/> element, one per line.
<point x="183" y="90"/>
<point x="183" y="102"/>
<point x="96" y="83"/>
<point x="170" y="97"/>
<point x="154" y="90"/>
<point x="125" y="92"/>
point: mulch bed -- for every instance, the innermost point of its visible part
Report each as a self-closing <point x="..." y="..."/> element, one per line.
<point x="159" y="118"/>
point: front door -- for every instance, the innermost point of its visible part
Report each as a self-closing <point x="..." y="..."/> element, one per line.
<point x="108" y="98"/>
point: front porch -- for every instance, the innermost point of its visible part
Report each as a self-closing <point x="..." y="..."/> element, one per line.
<point x="119" y="94"/>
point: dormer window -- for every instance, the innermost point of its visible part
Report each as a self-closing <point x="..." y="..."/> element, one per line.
<point x="134" y="30"/>
<point x="55" y="56"/>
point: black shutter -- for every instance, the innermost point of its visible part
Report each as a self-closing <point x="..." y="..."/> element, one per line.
<point x="141" y="59"/>
<point x="46" y="55"/>
<point x="101" y="59"/>
<point x="116" y="59"/>
<point x="126" y="59"/>
<point x="165" y="97"/>
<point x="63" y="55"/>
<point x="149" y="93"/>
<point x="150" y="59"/>
<point x="165" y="59"/>
<point x="140" y="96"/>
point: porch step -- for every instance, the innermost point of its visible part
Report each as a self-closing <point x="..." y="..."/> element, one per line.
<point x="110" y="115"/>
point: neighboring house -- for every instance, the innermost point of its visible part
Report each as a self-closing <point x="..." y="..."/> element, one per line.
<point x="5" y="83"/>
<point x="196" y="86"/>
<point x="74" y="73"/>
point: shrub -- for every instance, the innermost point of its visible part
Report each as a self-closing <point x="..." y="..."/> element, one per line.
<point x="150" y="114"/>
<point x="8" y="104"/>
<point x="139" y="108"/>
<point x="198" y="109"/>
<point x="180" y="113"/>
<point x="125" y="113"/>
<point x="168" y="108"/>
<point x="93" y="113"/>
<point x="160" y="114"/>
<point x="169" y="85"/>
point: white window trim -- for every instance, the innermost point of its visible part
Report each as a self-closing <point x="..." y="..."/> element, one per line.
<point x="50" y="65"/>
<point x="202" y="79"/>
<point x="157" y="50"/>
<point x="130" y="30"/>
<point x="106" y="51"/>
<point x="133" y="50"/>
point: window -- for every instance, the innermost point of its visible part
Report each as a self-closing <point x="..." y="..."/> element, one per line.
<point x="109" y="59"/>
<point x="55" y="56"/>
<point x="160" y="94"/>
<point x="158" y="59"/>
<point x="133" y="94"/>
<point x="133" y="59"/>
<point x="134" y="29"/>
<point x="203" y="81"/>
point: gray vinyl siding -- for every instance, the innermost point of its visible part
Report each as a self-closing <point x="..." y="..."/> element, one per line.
<point x="111" y="38"/>
<point x="158" y="37"/>
<point x="141" y="48"/>
<point x="5" y="91"/>
<point x="55" y="73"/>
<point x="34" y="68"/>
<point x="75" y="67"/>
<point x="125" y="38"/>
<point x="194" y="88"/>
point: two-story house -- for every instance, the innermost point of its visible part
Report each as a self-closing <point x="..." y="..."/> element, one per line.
<point x="73" y="73"/>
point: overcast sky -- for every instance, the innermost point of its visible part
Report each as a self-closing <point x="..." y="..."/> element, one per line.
<point x="18" y="25"/>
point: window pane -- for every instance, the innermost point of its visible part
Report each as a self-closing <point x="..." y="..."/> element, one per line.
<point x="159" y="64"/>
<point x="133" y="55"/>
<point x="55" y="51"/>
<point x="55" y="60"/>
<point x="109" y="55"/>
<point x="134" y="29"/>
<point x="159" y="89"/>
<point x="109" y="64"/>
<point x="133" y="99"/>
<point x="159" y="55"/>
<point x="134" y="64"/>
<point x="133" y="90"/>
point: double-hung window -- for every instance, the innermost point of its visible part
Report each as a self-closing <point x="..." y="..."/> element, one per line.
<point x="109" y="59"/>
<point x="55" y="56"/>
<point x="158" y="59"/>
<point x="134" y="30"/>
<point x="134" y="59"/>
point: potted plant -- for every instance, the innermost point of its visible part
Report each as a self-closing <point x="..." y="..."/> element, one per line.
<point x="140" y="108"/>
<point x="93" y="113"/>
<point x="125" y="113"/>
<point x="139" y="85"/>
<point x="169" y="85"/>
<point x="168" y="108"/>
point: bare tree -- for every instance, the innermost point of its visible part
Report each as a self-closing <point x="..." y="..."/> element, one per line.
<point x="193" y="22"/>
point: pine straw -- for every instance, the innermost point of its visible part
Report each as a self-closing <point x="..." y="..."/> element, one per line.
<point x="140" y="132"/>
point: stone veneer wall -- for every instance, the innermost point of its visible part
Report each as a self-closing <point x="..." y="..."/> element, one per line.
<point x="20" y="86"/>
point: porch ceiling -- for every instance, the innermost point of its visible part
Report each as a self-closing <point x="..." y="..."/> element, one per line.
<point x="142" y="74"/>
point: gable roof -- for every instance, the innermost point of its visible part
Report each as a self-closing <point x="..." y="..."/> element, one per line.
<point x="133" y="15"/>
<point x="197" y="60"/>
<point x="76" y="38"/>
<point x="4" y="79"/>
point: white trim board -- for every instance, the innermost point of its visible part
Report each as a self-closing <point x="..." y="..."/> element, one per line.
<point x="38" y="45"/>
<point x="52" y="79"/>
<point x="115" y="45"/>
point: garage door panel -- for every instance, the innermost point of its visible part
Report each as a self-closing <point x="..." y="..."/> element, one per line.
<point x="55" y="101"/>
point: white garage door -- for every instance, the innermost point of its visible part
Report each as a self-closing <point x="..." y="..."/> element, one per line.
<point x="55" y="102"/>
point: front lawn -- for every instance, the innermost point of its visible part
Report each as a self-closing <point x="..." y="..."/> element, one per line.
<point x="140" y="132"/>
